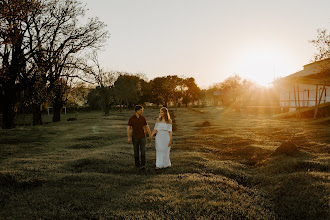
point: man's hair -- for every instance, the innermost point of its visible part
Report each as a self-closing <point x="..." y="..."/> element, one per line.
<point x="138" y="107"/>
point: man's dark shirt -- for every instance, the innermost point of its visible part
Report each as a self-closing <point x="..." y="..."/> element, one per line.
<point x="137" y="124"/>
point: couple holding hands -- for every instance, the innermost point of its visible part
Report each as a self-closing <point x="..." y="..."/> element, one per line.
<point x="163" y="141"/>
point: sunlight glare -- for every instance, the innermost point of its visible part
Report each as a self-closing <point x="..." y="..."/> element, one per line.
<point x="262" y="65"/>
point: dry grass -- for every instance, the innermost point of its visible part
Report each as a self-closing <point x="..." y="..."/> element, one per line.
<point x="222" y="169"/>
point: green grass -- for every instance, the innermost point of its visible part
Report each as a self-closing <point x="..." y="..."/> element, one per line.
<point x="222" y="169"/>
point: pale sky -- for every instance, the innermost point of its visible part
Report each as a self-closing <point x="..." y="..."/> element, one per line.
<point x="210" y="40"/>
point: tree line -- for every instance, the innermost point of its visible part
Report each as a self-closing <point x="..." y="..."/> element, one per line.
<point x="128" y="90"/>
<point x="47" y="55"/>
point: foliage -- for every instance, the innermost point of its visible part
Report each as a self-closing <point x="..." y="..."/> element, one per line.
<point x="104" y="80"/>
<point x="322" y="44"/>
<point x="232" y="90"/>
<point x="190" y="91"/>
<point x="127" y="89"/>
<point x="40" y="44"/>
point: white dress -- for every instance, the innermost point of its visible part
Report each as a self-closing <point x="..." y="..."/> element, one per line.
<point x="162" y="148"/>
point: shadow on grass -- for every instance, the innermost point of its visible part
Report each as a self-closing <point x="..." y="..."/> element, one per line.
<point x="299" y="196"/>
<point x="10" y="184"/>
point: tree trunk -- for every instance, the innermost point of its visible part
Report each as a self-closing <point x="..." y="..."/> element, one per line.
<point x="106" y="108"/>
<point x="9" y="110"/>
<point x="37" y="119"/>
<point x="57" y="106"/>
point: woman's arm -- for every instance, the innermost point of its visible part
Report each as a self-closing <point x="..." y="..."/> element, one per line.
<point x="170" y="142"/>
<point x="153" y="133"/>
<point x="155" y="129"/>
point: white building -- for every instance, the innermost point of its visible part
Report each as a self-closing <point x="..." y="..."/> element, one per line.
<point x="306" y="88"/>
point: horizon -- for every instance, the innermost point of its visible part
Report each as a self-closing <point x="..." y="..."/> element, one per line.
<point x="209" y="41"/>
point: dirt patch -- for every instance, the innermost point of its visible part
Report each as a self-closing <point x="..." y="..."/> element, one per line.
<point x="286" y="148"/>
<point x="196" y="110"/>
<point x="204" y="124"/>
<point x="83" y="146"/>
<point x="88" y="165"/>
<point x="248" y="155"/>
<point x="71" y="119"/>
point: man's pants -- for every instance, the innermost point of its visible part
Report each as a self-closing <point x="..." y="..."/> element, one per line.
<point x="139" y="146"/>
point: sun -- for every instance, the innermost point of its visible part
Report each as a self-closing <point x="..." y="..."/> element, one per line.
<point x="261" y="65"/>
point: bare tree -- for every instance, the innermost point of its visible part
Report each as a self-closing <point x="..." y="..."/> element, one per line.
<point x="322" y="43"/>
<point x="68" y="40"/>
<point x="104" y="80"/>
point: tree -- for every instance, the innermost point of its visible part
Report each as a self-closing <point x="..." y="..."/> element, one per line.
<point x="42" y="40"/>
<point x="15" y="21"/>
<point x="165" y="89"/>
<point x="104" y="80"/>
<point x="127" y="89"/>
<point x="146" y="91"/>
<point x="69" y="40"/>
<point x="230" y="89"/>
<point x="78" y="95"/>
<point x="157" y="90"/>
<point x="191" y="91"/>
<point x="213" y="93"/>
<point x="322" y="43"/>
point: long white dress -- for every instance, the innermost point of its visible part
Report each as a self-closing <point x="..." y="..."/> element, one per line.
<point x="162" y="148"/>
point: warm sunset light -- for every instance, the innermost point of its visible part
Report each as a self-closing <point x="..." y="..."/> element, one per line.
<point x="262" y="65"/>
<point x="176" y="109"/>
<point x="209" y="40"/>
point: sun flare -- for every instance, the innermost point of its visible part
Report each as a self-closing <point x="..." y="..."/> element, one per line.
<point x="262" y="65"/>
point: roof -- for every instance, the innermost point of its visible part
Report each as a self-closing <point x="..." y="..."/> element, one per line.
<point x="317" y="73"/>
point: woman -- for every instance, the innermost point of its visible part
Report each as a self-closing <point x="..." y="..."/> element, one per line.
<point x="163" y="131"/>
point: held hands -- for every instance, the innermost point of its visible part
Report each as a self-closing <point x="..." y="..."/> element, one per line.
<point x="149" y="139"/>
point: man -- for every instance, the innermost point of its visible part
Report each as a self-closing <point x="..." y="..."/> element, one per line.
<point x="138" y="123"/>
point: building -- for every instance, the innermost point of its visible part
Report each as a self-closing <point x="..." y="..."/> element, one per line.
<point x="306" y="88"/>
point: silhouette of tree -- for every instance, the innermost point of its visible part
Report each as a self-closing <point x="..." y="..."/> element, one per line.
<point x="191" y="91"/>
<point x="104" y="80"/>
<point x="15" y="21"/>
<point x="146" y="91"/>
<point x="127" y="89"/>
<point x="42" y="40"/>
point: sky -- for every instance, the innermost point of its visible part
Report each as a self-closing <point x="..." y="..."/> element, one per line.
<point x="210" y="40"/>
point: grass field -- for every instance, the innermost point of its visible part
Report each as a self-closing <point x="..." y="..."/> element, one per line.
<point x="222" y="168"/>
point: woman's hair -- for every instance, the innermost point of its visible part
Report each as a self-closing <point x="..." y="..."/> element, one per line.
<point x="166" y="115"/>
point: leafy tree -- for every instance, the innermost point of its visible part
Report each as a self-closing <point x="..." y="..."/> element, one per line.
<point x="94" y="99"/>
<point x="157" y="90"/>
<point x="78" y="95"/>
<point x="213" y="93"/>
<point x="230" y="89"/>
<point x="146" y="91"/>
<point x="165" y="89"/>
<point x="15" y="21"/>
<point x="127" y="89"/>
<point x="191" y="91"/>
<point x="38" y="39"/>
